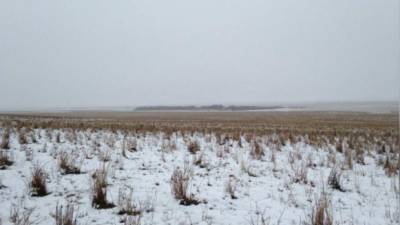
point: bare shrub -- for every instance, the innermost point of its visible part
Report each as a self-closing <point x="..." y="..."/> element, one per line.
<point x="256" y="151"/>
<point x="38" y="182"/>
<point x="99" y="189"/>
<point x="19" y="215"/>
<point x="180" y="182"/>
<point x="5" y="159"/>
<point x="193" y="147"/>
<point x="334" y="179"/>
<point x="321" y="212"/>
<point x="68" y="164"/>
<point x="65" y="216"/>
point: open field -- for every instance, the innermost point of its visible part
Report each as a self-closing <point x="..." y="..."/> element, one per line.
<point x="255" y="168"/>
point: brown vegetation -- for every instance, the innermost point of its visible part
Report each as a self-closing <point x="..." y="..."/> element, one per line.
<point x="68" y="164"/>
<point x="20" y="215"/>
<point x="322" y="212"/>
<point x="180" y="183"/>
<point x="193" y="147"/>
<point x="65" y="216"/>
<point x="334" y="179"/>
<point x="99" y="189"/>
<point x="5" y="159"/>
<point x="5" y="140"/>
<point x="38" y="182"/>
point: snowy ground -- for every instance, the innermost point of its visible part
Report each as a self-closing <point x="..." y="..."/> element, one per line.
<point x="265" y="188"/>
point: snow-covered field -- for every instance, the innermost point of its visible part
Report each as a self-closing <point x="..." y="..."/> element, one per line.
<point x="251" y="181"/>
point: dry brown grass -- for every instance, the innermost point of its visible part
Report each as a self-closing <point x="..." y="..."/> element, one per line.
<point x="5" y="140"/>
<point x="231" y="186"/>
<point x="334" y="179"/>
<point x="322" y="212"/>
<point x="99" y="189"/>
<point x="351" y="133"/>
<point x="20" y="215"/>
<point x="133" y="220"/>
<point x="127" y="204"/>
<point x="193" y="147"/>
<point x="38" y="181"/>
<point x="300" y="174"/>
<point x="348" y="157"/>
<point x="22" y="139"/>
<point x="68" y="164"/>
<point x="65" y="215"/>
<point x="260" y="218"/>
<point x="180" y="183"/>
<point x="294" y="123"/>
<point x="256" y="151"/>
<point x="390" y="166"/>
<point x="5" y="159"/>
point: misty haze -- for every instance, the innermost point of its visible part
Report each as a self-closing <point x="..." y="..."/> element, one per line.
<point x="186" y="112"/>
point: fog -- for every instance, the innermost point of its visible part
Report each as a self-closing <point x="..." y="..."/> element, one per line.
<point x="158" y="52"/>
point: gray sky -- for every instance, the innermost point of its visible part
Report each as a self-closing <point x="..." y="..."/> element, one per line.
<point x="146" y="52"/>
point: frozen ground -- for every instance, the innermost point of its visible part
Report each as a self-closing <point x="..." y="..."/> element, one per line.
<point x="270" y="188"/>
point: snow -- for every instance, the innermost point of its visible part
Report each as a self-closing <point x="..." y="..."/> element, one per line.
<point x="369" y="196"/>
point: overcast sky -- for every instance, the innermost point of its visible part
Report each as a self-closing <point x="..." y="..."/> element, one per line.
<point x="150" y="52"/>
